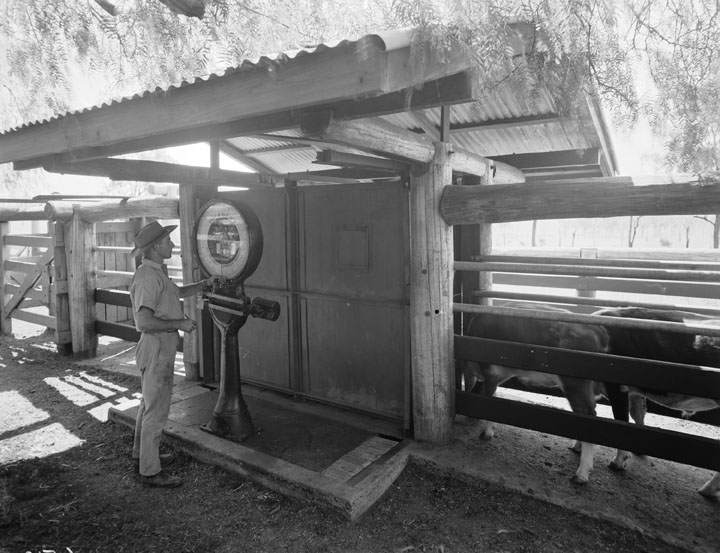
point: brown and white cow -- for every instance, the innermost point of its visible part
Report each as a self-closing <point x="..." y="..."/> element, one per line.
<point x="662" y="346"/>
<point x="580" y="393"/>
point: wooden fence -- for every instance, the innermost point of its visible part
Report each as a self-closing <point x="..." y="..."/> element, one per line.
<point x="114" y="271"/>
<point x="668" y="279"/>
<point x="33" y="275"/>
<point x="52" y="279"/>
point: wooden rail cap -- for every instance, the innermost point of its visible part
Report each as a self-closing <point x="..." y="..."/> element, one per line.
<point x="680" y="194"/>
<point x="161" y="207"/>
<point x="59" y="210"/>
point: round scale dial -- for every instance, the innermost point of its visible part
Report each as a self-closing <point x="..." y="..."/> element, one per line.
<point x="228" y="239"/>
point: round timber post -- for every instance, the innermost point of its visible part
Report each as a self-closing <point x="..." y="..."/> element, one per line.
<point x="5" y="321"/>
<point x="188" y="208"/>
<point x="80" y="252"/>
<point x="431" y="305"/>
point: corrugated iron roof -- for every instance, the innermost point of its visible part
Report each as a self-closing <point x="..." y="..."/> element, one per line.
<point x="501" y="124"/>
<point x="385" y="41"/>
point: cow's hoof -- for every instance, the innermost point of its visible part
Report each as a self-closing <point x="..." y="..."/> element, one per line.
<point x="580" y="480"/>
<point x="620" y="462"/>
<point x="487" y="436"/>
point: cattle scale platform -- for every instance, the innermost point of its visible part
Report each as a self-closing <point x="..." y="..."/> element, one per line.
<point x="348" y="461"/>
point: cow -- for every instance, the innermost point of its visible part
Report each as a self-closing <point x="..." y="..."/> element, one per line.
<point x="580" y="393"/>
<point x="661" y="345"/>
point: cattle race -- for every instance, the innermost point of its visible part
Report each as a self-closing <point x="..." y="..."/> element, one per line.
<point x="666" y="346"/>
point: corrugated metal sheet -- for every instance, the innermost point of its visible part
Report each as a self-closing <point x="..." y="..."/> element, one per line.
<point x="490" y="139"/>
<point x="287" y="156"/>
<point x="502" y="106"/>
<point x="386" y="41"/>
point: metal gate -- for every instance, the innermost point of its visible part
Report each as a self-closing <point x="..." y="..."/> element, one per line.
<point x="336" y="259"/>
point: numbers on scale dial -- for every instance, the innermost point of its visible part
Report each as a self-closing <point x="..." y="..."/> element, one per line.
<point x="223" y="240"/>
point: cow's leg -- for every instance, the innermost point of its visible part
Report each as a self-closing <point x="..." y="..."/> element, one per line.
<point x="712" y="487"/>
<point x="580" y="395"/>
<point x="490" y="387"/>
<point x="637" y="408"/>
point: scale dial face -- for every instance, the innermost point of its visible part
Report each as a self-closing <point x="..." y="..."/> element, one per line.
<point x="228" y="239"/>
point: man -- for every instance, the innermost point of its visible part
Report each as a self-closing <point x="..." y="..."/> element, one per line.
<point x="158" y="316"/>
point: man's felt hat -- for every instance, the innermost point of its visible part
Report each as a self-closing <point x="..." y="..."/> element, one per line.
<point x="149" y="235"/>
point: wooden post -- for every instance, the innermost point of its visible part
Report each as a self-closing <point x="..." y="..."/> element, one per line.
<point x="5" y="321"/>
<point x="485" y="243"/>
<point x="79" y="248"/>
<point x="63" y="336"/>
<point x="584" y="289"/>
<point x="431" y="314"/>
<point x="188" y="209"/>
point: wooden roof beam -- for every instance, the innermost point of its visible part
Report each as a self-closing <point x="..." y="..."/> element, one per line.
<point x="155" y="171"/>
<point x="243" y="102"/>
<point x="233" y="152"/>
<point x="343" y="159"/>
<point x="380" y="137"/>
<point x="428" y="127"/>
<point x="510" y="123"/>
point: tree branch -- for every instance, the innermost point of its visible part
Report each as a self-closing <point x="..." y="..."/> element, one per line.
<point x="189" y="8"/>
<point x="107" y="6"/>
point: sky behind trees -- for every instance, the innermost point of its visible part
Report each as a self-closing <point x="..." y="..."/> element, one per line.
<point x="653" y="63"/>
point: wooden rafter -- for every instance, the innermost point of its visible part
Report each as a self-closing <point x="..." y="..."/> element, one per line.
<point x="156" y="171"/>
<point x="342" y="159"/>
<point x="232" y="151"/>
<point x="381" y="137"/>
<point x="514" y="122"/>
<point x="428" y="127"/>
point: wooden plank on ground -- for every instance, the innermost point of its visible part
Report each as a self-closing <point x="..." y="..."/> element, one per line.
<point x="356" y="460"/>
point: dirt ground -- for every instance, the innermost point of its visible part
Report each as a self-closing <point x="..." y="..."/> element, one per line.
<point x="66" y="484"/>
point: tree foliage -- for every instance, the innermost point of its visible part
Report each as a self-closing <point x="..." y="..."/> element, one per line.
<point x="62" y="55"/>
<point x="679" y="39"/>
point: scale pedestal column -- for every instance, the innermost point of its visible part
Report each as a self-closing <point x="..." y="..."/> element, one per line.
<point x="231" y="419"/>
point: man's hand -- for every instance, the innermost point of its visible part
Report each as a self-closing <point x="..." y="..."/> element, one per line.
<point x="188" y="325"/>
<point x="211" y="282"/>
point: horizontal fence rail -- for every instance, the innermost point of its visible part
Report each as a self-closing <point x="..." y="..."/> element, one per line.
<point x="696" y="327"/>
<point x="603" y="262"/>
<point x="594" y="302"/>
<point x="658" y="375"/>
<point x="593" y="271"/>
<point x="665" y="444"/>
<point x="649" y="374"/>
<point x="668" y="278"/>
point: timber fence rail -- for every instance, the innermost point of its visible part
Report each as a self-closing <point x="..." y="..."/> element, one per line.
<point x="659" y="278"/>
<point x="33" y="275"/>
<point x="675" y="446"/>
<point x="79" y="270"/>
<point x="669" y="274"/>
<point x="112" y="297"/>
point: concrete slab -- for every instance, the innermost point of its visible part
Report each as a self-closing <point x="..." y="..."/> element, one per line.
<point x="294" y="453"/>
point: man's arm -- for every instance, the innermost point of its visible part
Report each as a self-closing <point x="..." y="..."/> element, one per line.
<point x="197" y="287"/>
<point x="146" y="321"/>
